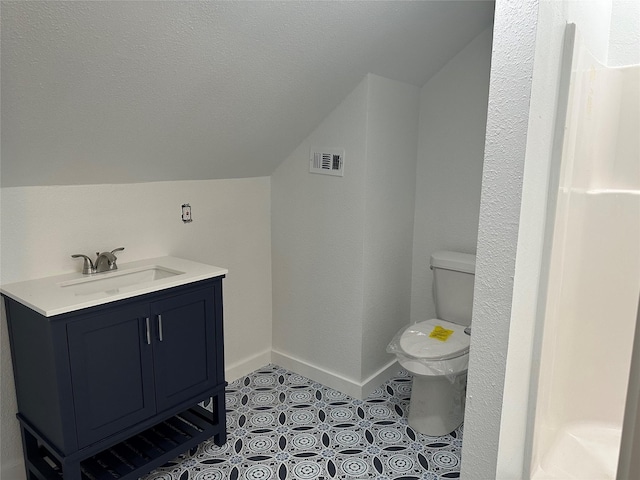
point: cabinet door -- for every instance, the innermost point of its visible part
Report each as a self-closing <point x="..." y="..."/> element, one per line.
<point x="112" y="371"/>
<point x="184" y="348"/>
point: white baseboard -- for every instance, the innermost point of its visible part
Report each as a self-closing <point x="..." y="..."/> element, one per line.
<point x="378" y="378"/>
<point x="329" y="378"/>
<point x="334" y="380"/>
<point x="246" y="366"/>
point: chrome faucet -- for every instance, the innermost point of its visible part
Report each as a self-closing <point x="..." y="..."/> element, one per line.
<point x="105" y="262"/>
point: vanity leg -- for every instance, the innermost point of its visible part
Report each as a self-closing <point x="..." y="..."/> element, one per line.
<point x="219" y="416"/>
<point x="29" y="449"/>
<point x="36" y="466"/>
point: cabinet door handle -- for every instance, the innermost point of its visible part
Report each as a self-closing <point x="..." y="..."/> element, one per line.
<point x="148" y="331"/>
<point x="160" y="327"/>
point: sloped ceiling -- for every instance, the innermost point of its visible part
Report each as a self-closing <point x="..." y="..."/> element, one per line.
<point x="118" y="92"/>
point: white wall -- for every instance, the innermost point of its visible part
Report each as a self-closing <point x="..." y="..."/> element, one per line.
<point x="341" y="245"/>
<point x="507" y="120"/>
<point x="453" y="119"/>
<point x="42" y="226"/>
<point x="316" y="237"/>
<point x="392" y="143"/>
<point x="550" y="32"/>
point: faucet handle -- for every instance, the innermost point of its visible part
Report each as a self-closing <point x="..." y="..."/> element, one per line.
<point x="119" y="249"/>
<point x="88" y="264"/>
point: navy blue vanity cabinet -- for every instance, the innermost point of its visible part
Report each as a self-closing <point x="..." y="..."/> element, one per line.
<point x="113" y="391"/>
<point x="111" y="371"/>
<point x="184" y="364"/>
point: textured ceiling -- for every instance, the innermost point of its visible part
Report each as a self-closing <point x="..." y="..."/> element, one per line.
<point x="116" y="92"/>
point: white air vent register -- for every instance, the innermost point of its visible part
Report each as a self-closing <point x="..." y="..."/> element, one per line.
<point x="327" y="161"/>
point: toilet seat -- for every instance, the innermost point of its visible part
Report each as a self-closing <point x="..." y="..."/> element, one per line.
<point x="416" y="342"/>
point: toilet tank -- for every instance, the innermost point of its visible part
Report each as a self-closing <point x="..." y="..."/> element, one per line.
<point x="453" y="275"/>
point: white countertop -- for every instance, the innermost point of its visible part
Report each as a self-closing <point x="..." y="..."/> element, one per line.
<point x="74" y="291"/>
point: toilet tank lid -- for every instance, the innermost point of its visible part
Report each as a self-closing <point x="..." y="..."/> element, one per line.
<point x="456" y="261"/>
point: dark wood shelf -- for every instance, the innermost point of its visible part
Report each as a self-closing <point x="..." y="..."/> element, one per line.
<point x="136" y="455"/>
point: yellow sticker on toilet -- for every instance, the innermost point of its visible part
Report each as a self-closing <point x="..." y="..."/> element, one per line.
<point x="440" y="333"/>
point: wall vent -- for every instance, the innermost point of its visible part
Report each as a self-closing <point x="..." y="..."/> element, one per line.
<point x="327" y="161"/>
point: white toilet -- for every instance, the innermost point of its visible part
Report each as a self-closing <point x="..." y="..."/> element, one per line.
<point x="436" y="351"/>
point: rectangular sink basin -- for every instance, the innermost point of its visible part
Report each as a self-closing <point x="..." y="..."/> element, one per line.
<point x="110" y="283"/>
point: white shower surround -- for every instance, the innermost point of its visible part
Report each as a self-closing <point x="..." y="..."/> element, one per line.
<point x="594" y="275"/>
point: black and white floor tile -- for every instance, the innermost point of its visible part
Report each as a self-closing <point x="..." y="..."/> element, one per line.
<point x="284" y="426"/>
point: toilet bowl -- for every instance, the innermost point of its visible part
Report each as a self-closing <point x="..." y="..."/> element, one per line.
<point x="436" y="351"/>
<point x="439" y="369"/>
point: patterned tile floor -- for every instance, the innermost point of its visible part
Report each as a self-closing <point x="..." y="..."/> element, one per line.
<point x="284" y="426"/>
